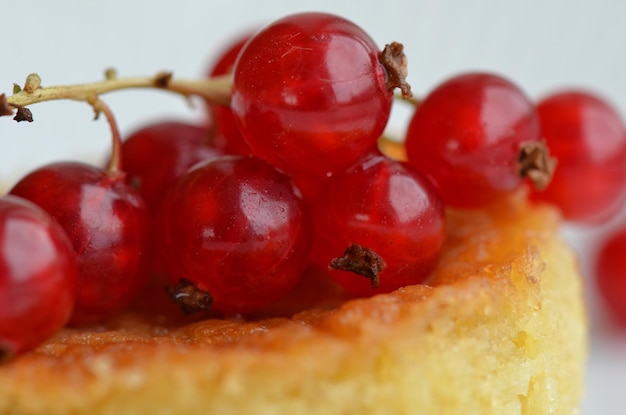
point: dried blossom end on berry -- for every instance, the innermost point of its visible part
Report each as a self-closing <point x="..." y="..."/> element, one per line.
<point x="5" y="353"/>
<point x="189" y="297"/>
<point x="395" y="62"/>
<point x="535" y="162"/>
<point x="362" y="261"/>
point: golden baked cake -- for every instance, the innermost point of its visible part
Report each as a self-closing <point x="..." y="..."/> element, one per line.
<point x="499" y="329"/>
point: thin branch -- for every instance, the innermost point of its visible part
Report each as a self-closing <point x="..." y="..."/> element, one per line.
<point x="115" y="162"/>
<point x="215" y="90"/>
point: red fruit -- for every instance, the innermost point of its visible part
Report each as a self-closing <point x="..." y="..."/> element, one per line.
<point x="387" y="207"/>
<point x="467" y="134"/>
<point x="310" y="93"/>
<point x="108" y="224"/>
<point x="228" y="137"/>
<point x="586" y="135"/>
<point x="155" y="156"/>
<point x="38" y="275"/>
<point x="235" y="228"/>
<point x="611" y="275"/>
<point x="310" y="185"/>
<point x="225" y="62"/>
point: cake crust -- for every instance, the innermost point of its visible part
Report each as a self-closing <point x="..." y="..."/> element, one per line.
<point x="499" y="328"/>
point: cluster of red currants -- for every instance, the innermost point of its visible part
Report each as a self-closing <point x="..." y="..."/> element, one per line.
<point x="463" y="135"/>
<point x="290" y="176"/>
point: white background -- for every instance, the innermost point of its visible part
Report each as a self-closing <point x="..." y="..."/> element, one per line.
<point x="539" y="44"/>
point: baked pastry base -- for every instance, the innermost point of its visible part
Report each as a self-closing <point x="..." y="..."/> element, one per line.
<point x="500" y="329"/>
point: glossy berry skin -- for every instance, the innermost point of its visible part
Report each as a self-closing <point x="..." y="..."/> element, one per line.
<point x="466" y="136"/>
<point x="156" y="155"/>
<point x="586" y="134"/>
<point x="236" y="229"/>
<point x="389" y="207"/>
<point x="108" y="224"/>
<point x="310" y="94"/>
<point x="38" y="273"/>
<point x="227" y="138"/>
<point x="611" y="275"/>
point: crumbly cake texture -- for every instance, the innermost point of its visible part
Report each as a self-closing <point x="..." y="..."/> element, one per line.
<point x="500" y="329"/>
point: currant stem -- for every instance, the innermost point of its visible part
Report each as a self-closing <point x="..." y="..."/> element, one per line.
<point x="115" y="163"/>
<point x="413" y="100"/>
<point x="215" y="90"/>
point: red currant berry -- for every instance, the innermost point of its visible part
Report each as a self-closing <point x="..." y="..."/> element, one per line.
<point x="235" y="228"/>
<point x="310" y="93"/>
<point x="391" y="210"/>
<point x="310" y="185"/>
<point x="226" y="59"/>
<point x="156" y="155"/>
<point x="586" y="135"/>
<point x="611" y="275"/>
<point x="38" y="275"/>
<point x="228" y="137"/>
<point x="108" y="224"/>
<point x="467" y="134"/>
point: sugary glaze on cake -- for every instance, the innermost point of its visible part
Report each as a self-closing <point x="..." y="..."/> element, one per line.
<point x="500" y="329"/>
